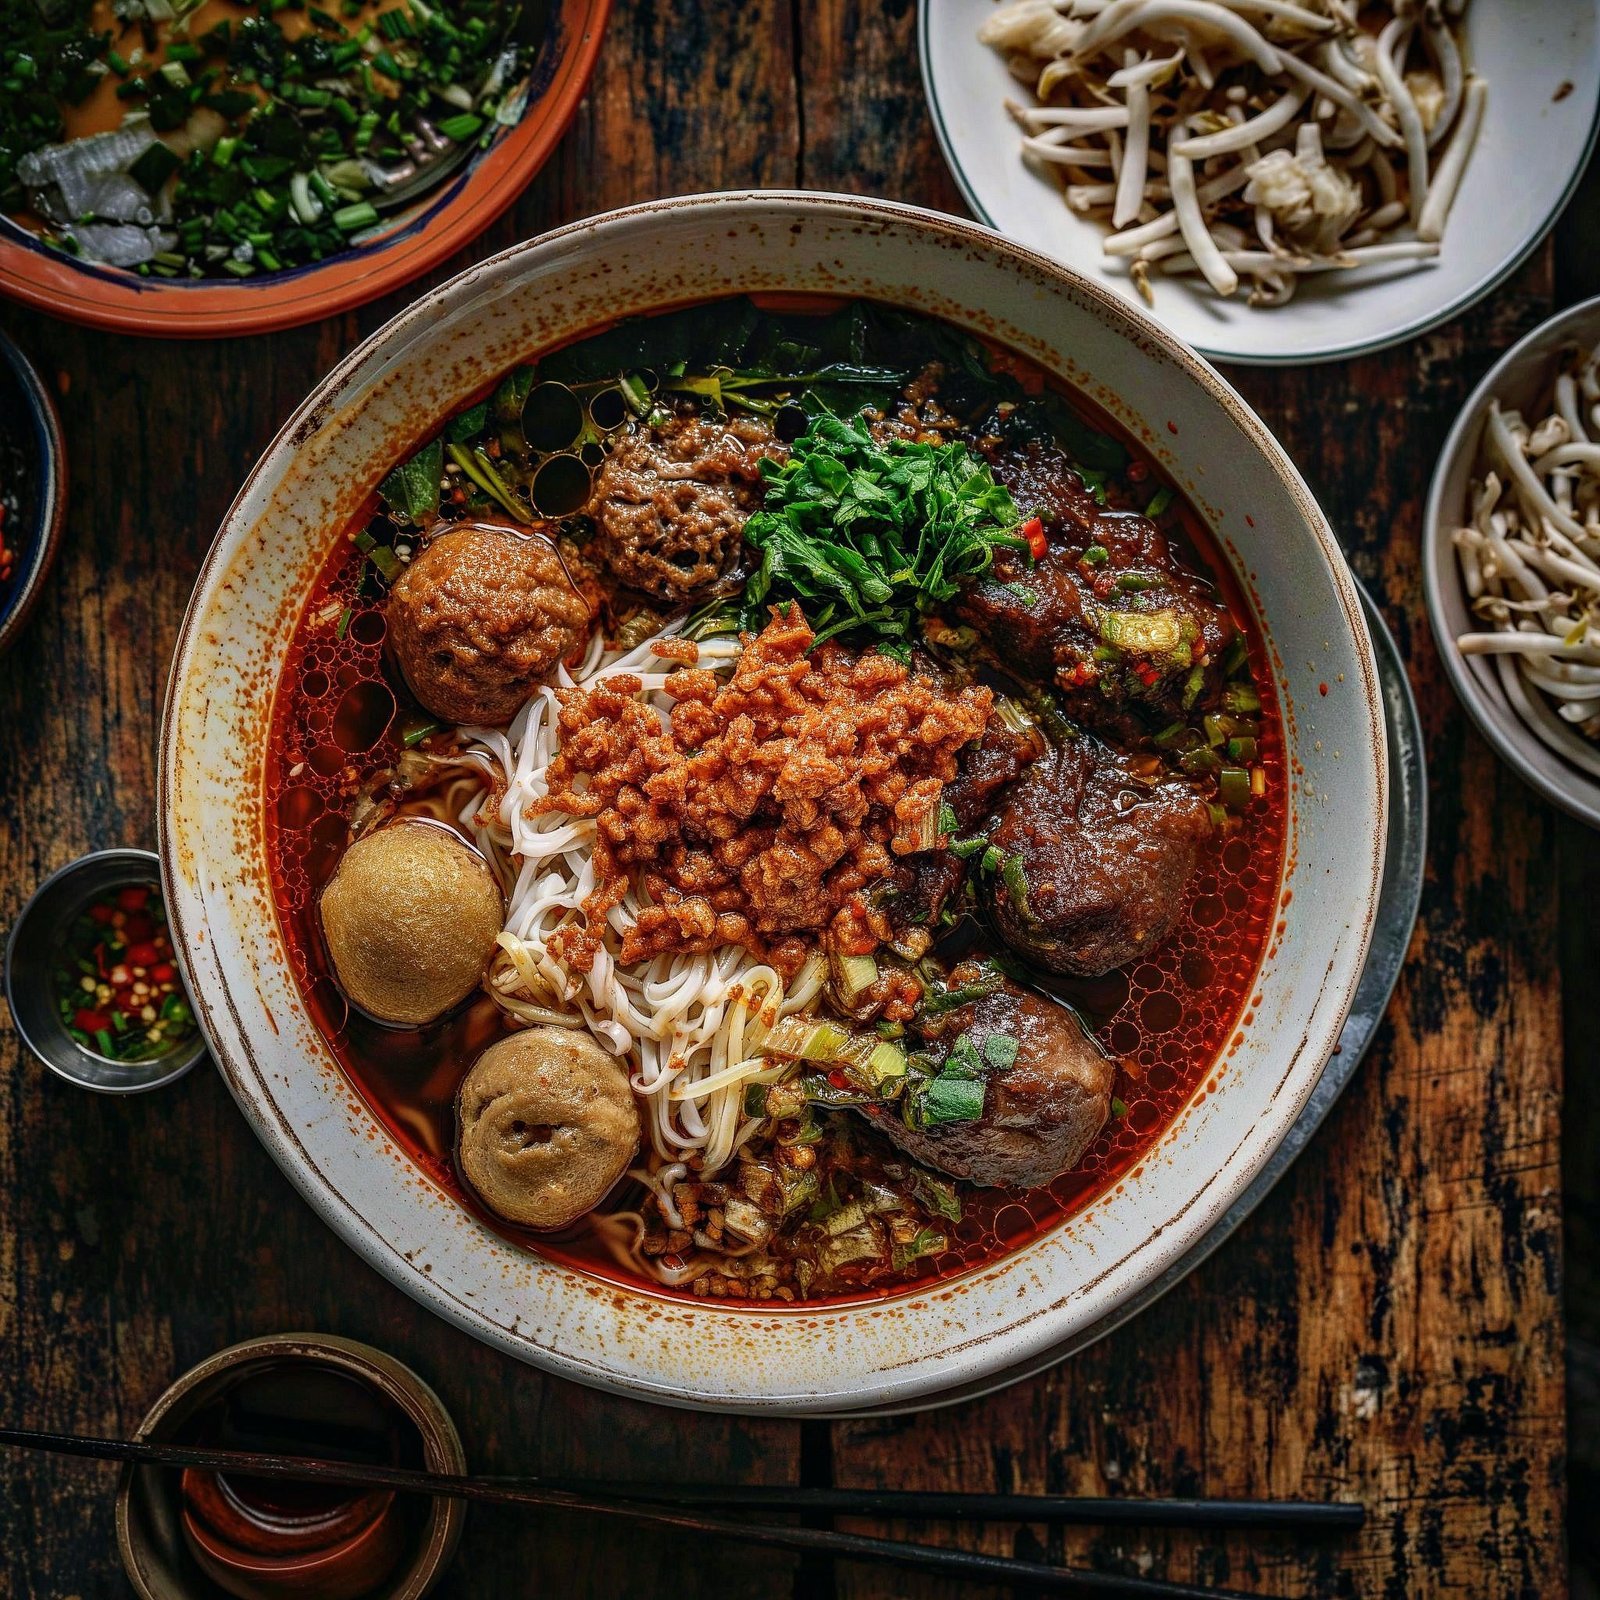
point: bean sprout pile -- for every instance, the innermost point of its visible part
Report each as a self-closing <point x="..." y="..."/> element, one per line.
<point x="1256" y="140"/>
<point x="693" y="1023"/>
<point x="1530" y="560"/>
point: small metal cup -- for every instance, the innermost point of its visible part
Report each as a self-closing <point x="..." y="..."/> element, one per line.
<point x="31" y="951"/>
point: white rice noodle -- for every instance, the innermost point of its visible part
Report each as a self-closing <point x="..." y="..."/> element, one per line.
<point x="689" y="1026"/>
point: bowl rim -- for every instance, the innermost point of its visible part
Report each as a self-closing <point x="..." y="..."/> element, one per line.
<point x="119" y="301"/>
<point x="343" y="1214"/>
<point x="1329" y="350"/>
<point x="51" y="448"/>
<point x="183" y="1061"/>
<point x="1508" y="735"/>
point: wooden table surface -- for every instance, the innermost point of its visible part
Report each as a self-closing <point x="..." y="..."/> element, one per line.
<point x="1387" y="1326"/>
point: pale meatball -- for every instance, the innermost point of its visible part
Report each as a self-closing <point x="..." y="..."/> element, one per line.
<point x="481" y="618"/>
<point x="547" y="1124"/>
<point x="411" y="918"/>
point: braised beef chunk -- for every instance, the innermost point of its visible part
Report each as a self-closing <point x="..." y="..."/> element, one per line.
<point x="1109" y="614"/>
<point x="670" y="502"/>
<point x="924" y="885"/>
<point x="986" y="767"/>
<point x="1105" y="851"/>
<point x="1040" y="1113"/>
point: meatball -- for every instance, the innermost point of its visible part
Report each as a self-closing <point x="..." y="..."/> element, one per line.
<point x="1039" y="1114"/>
<point x="547" y="1125"/>
<point x="411" y="917"/>
<point x="670" y="504"/>
<point x="481" y="618"/>
<point x="1105" y="858"/>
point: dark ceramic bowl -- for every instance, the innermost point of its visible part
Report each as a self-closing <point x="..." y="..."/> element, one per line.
<point x="33" y="486"/>
<point x="159" y="1553"/>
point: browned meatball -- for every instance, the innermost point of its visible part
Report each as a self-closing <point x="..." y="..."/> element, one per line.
<point x="481" y="618"/>
<point x="1039" y="1114"/>
<point x="670" y="504"/>
<point x="1105" y="859"/>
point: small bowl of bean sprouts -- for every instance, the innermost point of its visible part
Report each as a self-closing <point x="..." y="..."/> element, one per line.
<point x="1511" y="558"/>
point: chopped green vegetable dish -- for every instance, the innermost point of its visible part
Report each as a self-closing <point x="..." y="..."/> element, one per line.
<point x="116" y="980"/>
<point x="254" y="146"/>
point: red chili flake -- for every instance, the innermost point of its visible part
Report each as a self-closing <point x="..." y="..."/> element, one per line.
<point x="164" y="973"/>
<point x="134" y="898"/>
<point x="1033" y="532"/>
<point x="91" y="1021"/>
<point x="101" y="913"/>
<point x="1322" y="688"/>
<point x="143" y="954"/>
<point x="1105" y="587"/>
<point x="1172" y="427"/>
<point x="838" y="1079"/>
<point x="1137" y="472"/>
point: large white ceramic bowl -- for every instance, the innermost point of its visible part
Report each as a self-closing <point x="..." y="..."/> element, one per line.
<point x="397" y="386"/>
<point x="1542" y="64"/>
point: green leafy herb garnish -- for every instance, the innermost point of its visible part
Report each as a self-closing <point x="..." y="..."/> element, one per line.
<point x="871" y="535"/>
<point x="411" y="491"/>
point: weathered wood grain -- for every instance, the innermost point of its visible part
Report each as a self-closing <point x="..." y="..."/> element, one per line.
<point x="1386" y="1327"/>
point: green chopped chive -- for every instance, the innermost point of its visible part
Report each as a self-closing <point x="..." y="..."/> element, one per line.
<point x="348" y="219"/>
<point x="1096" y="555"/>
<point x="1160" y="500"/>
<point x="1000" y="1051"/>
<point x="461" y="128"/>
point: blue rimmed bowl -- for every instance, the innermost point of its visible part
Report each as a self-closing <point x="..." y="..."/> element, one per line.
<point x="33" y="487"/>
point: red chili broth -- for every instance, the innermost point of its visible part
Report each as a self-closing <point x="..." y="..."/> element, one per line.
<point x="336" y="722"/>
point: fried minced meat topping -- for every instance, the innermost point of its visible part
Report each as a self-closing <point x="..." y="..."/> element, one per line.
<point x="768" y="803"/>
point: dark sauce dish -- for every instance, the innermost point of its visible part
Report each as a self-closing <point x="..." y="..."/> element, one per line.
<point x="191" y="1534"/>
<point x="45" y="941"/>
<point x="33" y="476"/>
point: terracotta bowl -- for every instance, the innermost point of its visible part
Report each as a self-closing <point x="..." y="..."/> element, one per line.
<point x="1067" y="1285"/>
<point x="408" y="243"/>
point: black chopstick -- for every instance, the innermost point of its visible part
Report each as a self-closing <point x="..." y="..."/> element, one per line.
<point x="854" y="1546"/>
<point x="1288" y="1516"/>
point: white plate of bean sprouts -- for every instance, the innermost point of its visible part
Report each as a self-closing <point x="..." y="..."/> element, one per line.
<point x="1277" y="180"/>
<point x="1511" y="558"/>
